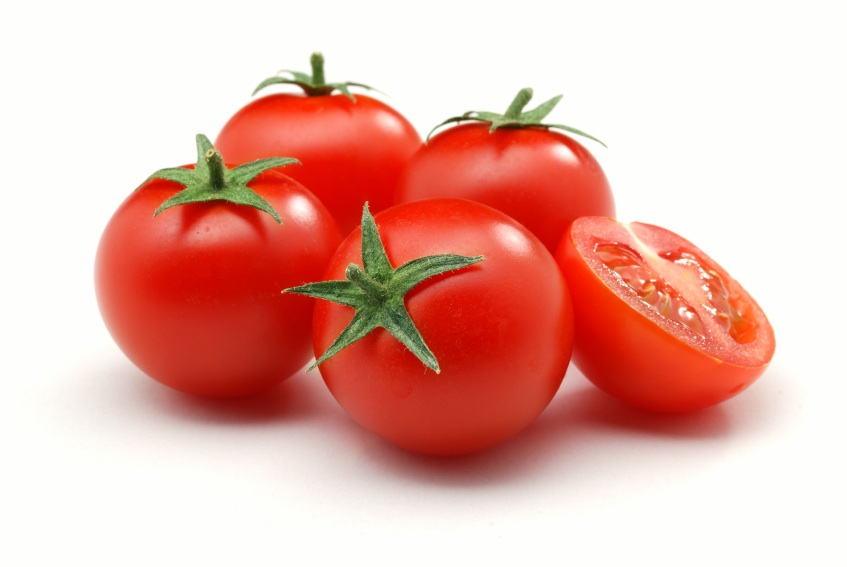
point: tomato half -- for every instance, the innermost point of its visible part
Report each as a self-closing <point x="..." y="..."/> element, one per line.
<point x="192" y="296"/>
<point x="501" y="330"/>
<point x="351" y="151"/>
<point x="659" y="324"/>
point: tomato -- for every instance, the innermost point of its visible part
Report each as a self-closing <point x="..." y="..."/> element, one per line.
<point x="541" y="177"/>
<point x="659" y="324"/>
<point x="499" y="329"/>
<point x="192" y="296"/>
<point x="352" y="149"/>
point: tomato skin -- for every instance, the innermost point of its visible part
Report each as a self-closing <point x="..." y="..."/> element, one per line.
<point x="501" y="329"/>
<point x="351" y="152"/>
<point x="540" y="177"/>
<point x="639" y="361"/>
<point x="193" y="296"/>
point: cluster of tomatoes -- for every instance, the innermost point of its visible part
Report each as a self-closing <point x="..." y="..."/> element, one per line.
<point x="441" y="285"/>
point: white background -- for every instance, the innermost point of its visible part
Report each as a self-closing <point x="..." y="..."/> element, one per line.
<point x="724" y="122"/>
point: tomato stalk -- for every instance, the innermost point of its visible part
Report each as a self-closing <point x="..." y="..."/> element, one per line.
<point x="211" y="180"/>
<point x="516" y="107"/>
<point x="376" y="291"/>
<point x="516" y="117"/>
<point x="217" y="169"/>
<point x="314" y="84"/>
<point x="317" y="62"/>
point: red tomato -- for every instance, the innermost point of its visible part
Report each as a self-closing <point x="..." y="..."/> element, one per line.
<point x="659" y="324"/>
<point x="501" y="330"/>
<point x="542" y="178"/>
<point x="192" y="296"/>
<point x="352" y="149"/>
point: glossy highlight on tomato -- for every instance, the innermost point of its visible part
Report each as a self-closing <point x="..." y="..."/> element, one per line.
<point x="501" y="330"/>
<point x="659" y="324"/>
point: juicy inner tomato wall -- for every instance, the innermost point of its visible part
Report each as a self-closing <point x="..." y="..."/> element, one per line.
<point x="676" y="285"/>
<point x="688" y="272"/>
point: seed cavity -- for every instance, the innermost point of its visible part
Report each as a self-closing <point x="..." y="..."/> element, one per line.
<point x="719" y="302"/>
<point x="656" y="292"/>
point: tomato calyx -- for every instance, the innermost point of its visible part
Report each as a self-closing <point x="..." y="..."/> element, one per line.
<point x="377" y="290"/>
<point x="314" y="84"/>
<point x="211" y="180"/>
<point x="516" y="117"/>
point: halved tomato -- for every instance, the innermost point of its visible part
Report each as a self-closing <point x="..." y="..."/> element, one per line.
<point x="659" y="324"/>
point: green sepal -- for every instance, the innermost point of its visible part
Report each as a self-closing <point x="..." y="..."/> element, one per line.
<point x="314" y="84"/>
<point x="516" y="117"/>
<point x="377" y="293"/>
<point x="210" y="180"/>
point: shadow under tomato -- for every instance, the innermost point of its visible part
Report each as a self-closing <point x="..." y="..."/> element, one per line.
<point x="579" y="419"/>
<point x="516" y="458"/>
<point x="589" y="407"/>
<point x="300" y="397"/>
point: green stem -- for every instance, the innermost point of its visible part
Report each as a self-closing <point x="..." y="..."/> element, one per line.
<point x="520" y="101"/>
<point x="217" y="169"/>
<point x="318" y="77"/>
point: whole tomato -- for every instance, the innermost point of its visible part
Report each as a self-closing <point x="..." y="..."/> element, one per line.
<point x="352" y="148"/>
<point x="448" y="327"/>
<point x="513" y="162"/>
<point x="192" y="296"/>
<point x="659" y="324"/>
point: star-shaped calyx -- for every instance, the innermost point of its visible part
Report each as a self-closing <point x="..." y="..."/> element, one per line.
<point x="516" y="117"/>
<point x="377" y="291"/>
<point x="211" y="180"/>
<point x="314" y="84"/>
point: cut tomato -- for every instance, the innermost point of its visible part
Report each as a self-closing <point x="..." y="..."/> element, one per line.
<point x="659" y="324"/>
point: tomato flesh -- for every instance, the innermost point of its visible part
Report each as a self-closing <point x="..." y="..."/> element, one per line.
<point x="696" y="277"/>
<point x="659" y="323"/>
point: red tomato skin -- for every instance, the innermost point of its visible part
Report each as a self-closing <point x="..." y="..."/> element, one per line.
<point x="351" y="152"/>
<point x="635" y="360"/>
<point x="193" y="296"/>
<point x="502" y="332"/>
<point x="540" y="177"/>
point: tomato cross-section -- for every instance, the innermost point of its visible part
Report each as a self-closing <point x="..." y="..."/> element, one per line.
<point x="659" y="324"/>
